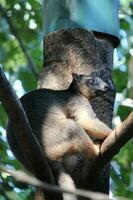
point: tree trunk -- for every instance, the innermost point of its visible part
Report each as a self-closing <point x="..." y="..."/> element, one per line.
<point x="82" y="52"/>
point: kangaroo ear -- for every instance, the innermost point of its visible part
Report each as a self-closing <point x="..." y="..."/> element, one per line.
<point x="76" y="76"/>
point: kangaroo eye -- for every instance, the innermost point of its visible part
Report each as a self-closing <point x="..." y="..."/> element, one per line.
<point x="90" y="81"/>
<point x="95" y="81"/>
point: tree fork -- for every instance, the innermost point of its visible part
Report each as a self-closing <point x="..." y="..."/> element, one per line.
<point x="82" y="52"/>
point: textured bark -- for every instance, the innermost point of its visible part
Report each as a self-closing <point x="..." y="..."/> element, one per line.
<point x="79" y="51"/>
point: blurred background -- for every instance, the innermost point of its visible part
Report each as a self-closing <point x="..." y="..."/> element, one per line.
<point x="21" y="57"/>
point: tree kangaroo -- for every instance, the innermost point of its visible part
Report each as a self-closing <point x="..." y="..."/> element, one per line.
<point x="63" y="122"/>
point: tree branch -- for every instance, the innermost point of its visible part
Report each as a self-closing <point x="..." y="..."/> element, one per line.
<point x="118" y="138"/>
<point x="15" y="33"/>
<point x="112" y="145"/>
<point x="28" y="143"/>
<point x="28" y="179"/>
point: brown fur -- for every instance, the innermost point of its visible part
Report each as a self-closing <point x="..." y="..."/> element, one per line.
<point x="62" y="122"/>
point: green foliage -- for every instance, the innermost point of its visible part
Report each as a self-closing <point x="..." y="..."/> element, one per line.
<point x="120" y="79"/>
<point x="122" y="167"/>
<point x="27" y="20"/>
<point x="26" y="17"/>
<point x="29" y="80"/>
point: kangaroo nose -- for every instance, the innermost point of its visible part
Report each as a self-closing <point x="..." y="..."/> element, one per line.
<point x="110" y="85"/>
<point x="106" y="87"/>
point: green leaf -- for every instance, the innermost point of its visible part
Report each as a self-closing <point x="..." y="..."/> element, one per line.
<point x="3" y="116"/>
<point x="120" y="79"/>
<point x="12" y="195"/>
<point x="28" y="80"/>
<point x="124" y="111"/>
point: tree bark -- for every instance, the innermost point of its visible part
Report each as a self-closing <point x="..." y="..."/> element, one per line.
<point x="82" y="52"/>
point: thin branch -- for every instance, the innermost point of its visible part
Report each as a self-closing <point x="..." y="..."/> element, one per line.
<point x="27" y="142"/>
<point x="112" y="145"/>
<point x="28" y="179"/>
<point x="15" y="33"/>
